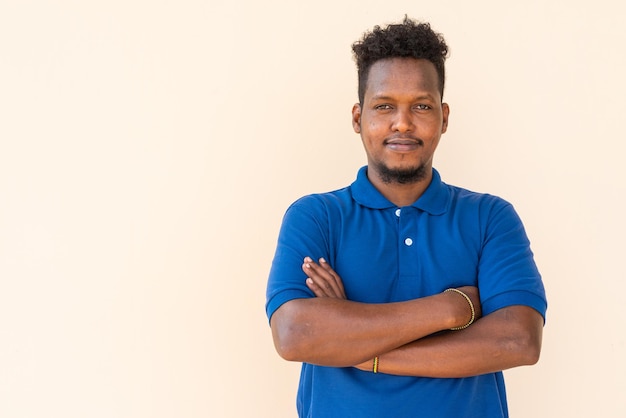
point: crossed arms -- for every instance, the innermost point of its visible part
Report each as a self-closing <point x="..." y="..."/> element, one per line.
<point x="410" y="338"/>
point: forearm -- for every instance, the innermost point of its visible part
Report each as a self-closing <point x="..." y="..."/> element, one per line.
<point x="506" y="338"/>
<point x="337" y="332"/>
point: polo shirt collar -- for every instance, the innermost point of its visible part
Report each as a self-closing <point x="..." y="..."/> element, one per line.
<point x="435" y="200"/>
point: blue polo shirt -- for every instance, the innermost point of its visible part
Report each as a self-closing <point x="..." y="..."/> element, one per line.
<point x="450" y="237"/>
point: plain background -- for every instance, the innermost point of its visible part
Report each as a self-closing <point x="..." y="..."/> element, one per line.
<point x="148" y="150"/>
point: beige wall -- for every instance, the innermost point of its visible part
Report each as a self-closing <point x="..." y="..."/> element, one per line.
<point x="149" y="149"/>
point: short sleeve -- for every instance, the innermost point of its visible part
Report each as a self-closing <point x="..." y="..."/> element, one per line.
<point x="507" y="273"/>
<point x="304" y="232"/>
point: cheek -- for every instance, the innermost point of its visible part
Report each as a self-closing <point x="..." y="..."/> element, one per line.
<point x="374" y="126"/>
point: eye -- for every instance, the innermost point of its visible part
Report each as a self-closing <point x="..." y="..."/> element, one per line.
<point x="422" y="107"/>
<point x="382" y="107"/>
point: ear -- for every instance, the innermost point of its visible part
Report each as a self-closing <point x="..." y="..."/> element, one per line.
<point x="356" y="118"/>
<point x="446" y="113"/>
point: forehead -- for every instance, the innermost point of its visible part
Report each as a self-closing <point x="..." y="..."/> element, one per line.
<point x="402" y="76"/>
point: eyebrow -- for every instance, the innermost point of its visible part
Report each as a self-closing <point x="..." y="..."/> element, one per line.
<point x="425" y="96"/>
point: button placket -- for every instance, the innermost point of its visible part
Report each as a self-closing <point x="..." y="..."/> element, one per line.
<point x="408" y="241"/>
<point x="408" y="244"/>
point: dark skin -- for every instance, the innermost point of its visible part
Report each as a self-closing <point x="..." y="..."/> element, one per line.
<point x="493" y="343"/>
<point x="333" y="331"/>
<point x="400" y="122"/>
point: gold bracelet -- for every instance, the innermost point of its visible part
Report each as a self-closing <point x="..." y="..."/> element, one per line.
<point x="471" y="321"/>
<point x="375" y="368"/>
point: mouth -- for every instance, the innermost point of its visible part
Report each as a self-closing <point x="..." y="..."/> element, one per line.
<point x="403" y="144"/>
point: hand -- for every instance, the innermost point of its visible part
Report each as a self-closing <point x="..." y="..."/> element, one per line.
<point x="322" y="279"/>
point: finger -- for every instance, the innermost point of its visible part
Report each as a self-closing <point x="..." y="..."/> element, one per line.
<point x="323" y="279"/>
<point x="332" y="282"/>
<point x="314" y="281"/>
<point x="317" y="290"/>
<point x="337" y="282"/>
<point x="319" y="279"/>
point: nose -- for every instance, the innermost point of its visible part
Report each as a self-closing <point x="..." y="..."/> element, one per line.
<point x="403" y="121"/>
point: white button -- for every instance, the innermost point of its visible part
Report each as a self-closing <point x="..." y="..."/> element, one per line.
<point x="398" y="212"/>
<point x="408" y="241"/>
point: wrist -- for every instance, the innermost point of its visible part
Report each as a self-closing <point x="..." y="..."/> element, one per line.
<point x="464" y="311"/>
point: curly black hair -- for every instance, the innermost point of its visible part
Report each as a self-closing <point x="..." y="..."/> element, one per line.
<point x="409" y="39"/>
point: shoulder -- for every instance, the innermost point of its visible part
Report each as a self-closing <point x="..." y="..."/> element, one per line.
<point x="465" y="199"/>
<point x="318" y="203"/>
<point x="482" y="213"/>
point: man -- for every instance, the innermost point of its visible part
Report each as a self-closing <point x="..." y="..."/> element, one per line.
<point x="421" y="292"/>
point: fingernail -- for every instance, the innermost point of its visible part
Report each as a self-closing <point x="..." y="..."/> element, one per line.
<point x="322" y="260"/>
<point x="308" y="259"/>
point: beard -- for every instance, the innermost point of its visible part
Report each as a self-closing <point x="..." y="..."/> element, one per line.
<point x="401" y="175"/>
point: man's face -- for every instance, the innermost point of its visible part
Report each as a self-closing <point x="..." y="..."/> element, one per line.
<point x="401" y="119"/>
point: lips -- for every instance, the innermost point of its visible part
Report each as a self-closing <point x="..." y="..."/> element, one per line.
<point x="403" y="144"/>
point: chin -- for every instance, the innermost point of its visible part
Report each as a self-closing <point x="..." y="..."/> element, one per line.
<point x="402" y="175"/>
